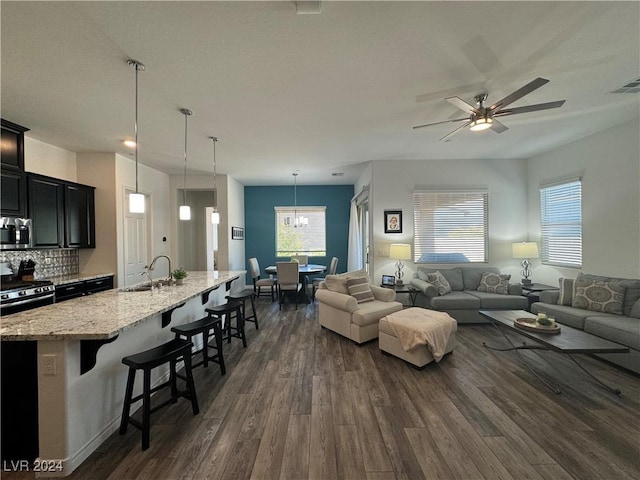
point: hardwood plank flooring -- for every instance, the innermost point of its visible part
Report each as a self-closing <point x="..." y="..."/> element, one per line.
<point x="301" y="402"/>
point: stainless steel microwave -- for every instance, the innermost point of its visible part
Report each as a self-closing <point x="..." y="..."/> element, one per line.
<point x="15" y="233"/>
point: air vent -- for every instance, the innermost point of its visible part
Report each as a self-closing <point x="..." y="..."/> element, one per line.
<point x="337" y="174"/>
<point x="631" y="87"/>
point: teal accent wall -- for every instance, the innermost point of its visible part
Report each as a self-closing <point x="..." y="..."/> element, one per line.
<point x="260" y="223"/>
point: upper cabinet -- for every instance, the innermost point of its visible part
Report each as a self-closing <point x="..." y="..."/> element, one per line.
<point x="62" y="213"/>
<point x="12" y="146"/>
<point x="14" y="185"/>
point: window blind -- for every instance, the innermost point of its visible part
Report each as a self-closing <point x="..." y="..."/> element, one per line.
<point x="561" y="224"/>
<point x="300" y="231"/>
<point x="450" y="226"/>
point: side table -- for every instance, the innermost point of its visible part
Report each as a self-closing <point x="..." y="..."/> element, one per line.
<point x="408" y="289"/>
<point x="532" y="292"/>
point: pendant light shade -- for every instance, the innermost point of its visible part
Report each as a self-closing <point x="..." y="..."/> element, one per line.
<point x="136" y="200"/>
<point x="184" y="212"/>
<point x="301" y="221"/>
<point x="215" y="215"/>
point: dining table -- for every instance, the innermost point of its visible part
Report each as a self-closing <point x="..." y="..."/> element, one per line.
<point x="304" y="272"/>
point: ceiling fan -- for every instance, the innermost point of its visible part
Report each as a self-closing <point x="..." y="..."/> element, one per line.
<point x="481" y="117"/>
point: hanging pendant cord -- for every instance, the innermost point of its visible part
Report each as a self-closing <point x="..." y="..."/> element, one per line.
<point x="136" y="128"/>
<point x="184" y="186"/>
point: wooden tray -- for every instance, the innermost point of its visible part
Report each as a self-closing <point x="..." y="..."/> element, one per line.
<point x="531" y="325"/>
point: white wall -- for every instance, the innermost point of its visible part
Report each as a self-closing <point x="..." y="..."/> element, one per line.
<point x="45" y="159"/>
<point x="235" y="212"/>
<point x="609" y="164"/>
<point x="394" y="181"/>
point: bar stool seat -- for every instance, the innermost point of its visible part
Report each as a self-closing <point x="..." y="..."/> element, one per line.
<point x="243" y="296"/>
<point x="205" y="326"/>
<point x="170" y="352"/>
<point x="230" y="310"/>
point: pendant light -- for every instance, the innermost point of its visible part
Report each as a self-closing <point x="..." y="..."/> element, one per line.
<point x="185" y="210"/>
<point x="136" y="200"/>
<point x="215" y="215"/>
<point x="301" y="221"/>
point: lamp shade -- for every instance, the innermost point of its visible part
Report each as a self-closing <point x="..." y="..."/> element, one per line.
<point x="400" y="251"/>
<point x="525" y="250"/>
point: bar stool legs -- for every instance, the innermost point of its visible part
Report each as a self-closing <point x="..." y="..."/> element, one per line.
<point x="230" y="310"/>
<point x="170" y="352"/>
<point x="204" y="326"/>
<point x="243" y="296"/>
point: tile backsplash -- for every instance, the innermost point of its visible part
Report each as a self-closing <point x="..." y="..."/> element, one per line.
<point x="49" y="262"/>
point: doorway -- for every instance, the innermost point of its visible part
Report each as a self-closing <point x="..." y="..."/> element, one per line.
<point x="136" y="242"/>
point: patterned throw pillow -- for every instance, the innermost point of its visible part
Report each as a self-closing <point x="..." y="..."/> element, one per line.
<point x="598" y="296"/>
<point x="437" y="280"/>
<point x="494" y="283"/>
<point x="566" y="291"/>
<point x="360" y="290"/>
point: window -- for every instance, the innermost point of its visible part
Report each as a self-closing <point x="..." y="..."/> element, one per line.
<point x="300" y="231"/>
<point x="450" y="226"/>
<point x="561" y="223"/>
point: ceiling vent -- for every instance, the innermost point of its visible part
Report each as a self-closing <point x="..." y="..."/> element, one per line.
<point x="631" y="87"/>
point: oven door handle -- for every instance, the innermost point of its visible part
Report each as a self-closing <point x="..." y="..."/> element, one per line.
<point x="29" y="300"/>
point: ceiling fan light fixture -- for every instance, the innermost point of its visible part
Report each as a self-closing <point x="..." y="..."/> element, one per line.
<point x="480" y="124"/>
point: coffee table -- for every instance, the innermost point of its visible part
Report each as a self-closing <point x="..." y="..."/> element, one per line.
<point x="568" y="342"/>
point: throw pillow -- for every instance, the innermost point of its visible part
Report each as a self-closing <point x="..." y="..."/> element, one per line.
<point x="422" y="275"/>
<point x="437" y="280"/>
<point x="360" y="290"/>
<point x="566" y="291"/>
<point x="635" y="309"/>
<point x="597" y="295"/>
<point x="336" y="283"/>
<point x="494" y="283"/>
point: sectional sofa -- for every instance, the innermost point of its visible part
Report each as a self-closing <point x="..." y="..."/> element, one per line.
<point x="465" y="300"/>
<point x="607" y="307"/>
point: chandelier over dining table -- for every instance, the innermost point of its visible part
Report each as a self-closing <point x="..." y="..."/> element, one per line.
<point x="296" y="221"/>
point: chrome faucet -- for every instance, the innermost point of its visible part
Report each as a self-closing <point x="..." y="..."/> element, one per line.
<point x="153" y="263"/>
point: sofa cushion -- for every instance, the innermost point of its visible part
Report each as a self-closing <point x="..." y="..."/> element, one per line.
<point x="566" y="291"/>
<point x="494" y="283"/>
<point x="499" y="301"/>
<point x="632" y="292"/>
<point x="617" y="328"/>
<point x="455" y="301"/>
<point x="635" y="310"/>
<point x="371" y="312"/>
<point x="472" y="276"/>
<point x="360" y="290"/>
<point x="338" y="283"/>
<point x="598" y="295"/>
<point x="440" y="282"/>
<point x="574" y="317"/>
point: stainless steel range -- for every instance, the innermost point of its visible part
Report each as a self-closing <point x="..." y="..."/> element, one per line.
<point x="18" y="296"/>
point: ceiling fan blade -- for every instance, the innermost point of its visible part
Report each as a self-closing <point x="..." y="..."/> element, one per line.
<point x="498" y="127"/>
<point x="529" y="108"/>
<point x="447" y="137"/>
<point x="438" y="123"/>
<point x="462" y="105"/>
<point x="521" y="92"/>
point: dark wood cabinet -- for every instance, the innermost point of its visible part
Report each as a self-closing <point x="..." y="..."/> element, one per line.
<point x="62" y="213"/>
<point x="13" y="193"/>
<point x="12" y="153"/>
<point x="46" y="210"/>
<point x="68" y="291"/>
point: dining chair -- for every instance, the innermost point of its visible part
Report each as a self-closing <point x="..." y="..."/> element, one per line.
<point x="258" y="283"/>
<point x="301" y="259"/>
<point x="288" y="281"/>
<point x="333" y="268"/>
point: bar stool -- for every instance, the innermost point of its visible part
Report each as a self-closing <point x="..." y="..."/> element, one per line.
<point x="169" y="352"/>
<point x="229" y="310"/>
<point x="206" y="326"/>
<point x="243" y="296"/>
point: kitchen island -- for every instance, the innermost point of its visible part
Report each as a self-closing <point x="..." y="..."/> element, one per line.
<point x="80" y="346"/>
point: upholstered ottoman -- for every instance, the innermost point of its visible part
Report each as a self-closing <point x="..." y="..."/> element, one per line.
<point x="417" y="335"/>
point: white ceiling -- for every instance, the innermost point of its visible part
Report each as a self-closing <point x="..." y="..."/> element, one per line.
<point x="314" y="93"/>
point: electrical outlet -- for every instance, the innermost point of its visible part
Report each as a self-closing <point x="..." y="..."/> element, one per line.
<point x="48" y="364"/>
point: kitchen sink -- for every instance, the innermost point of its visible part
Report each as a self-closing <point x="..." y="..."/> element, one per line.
<point x="137" y="288"/>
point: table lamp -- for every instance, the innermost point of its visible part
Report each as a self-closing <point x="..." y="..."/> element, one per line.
<point x="525" y="250"/>
<point x="399" y="252"/>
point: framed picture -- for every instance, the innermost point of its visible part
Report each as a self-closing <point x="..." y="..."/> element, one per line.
<point x="388" y="280"/>
<point x="237" y="233"/>
<point x="393" y="221"/>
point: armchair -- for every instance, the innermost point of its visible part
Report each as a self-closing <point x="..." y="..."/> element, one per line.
<point x="340" y="312"/>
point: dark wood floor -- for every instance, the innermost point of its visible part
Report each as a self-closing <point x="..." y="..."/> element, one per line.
<point x="304" y="403"/>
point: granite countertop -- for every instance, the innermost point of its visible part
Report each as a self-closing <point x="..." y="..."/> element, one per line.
<point x="106" y="314"/>
<point x="78" y="277"/>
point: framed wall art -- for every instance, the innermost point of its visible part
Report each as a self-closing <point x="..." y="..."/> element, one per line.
<point x="393" y="221"/>
<point x="237" y="233"/>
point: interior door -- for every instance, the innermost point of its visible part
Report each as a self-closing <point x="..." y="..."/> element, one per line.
<point x="135" y="244"/>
